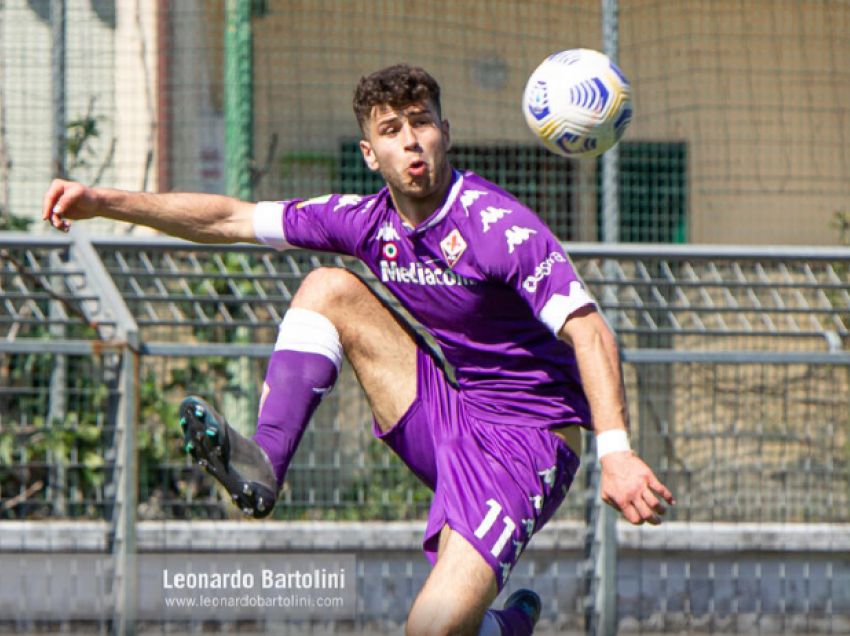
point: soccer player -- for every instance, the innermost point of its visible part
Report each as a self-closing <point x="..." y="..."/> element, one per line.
<point x="534" y="361"/>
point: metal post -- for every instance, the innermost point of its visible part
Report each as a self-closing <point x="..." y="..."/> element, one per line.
<point x="238" y="98"/>
<point x="606" y="564"/>
<point x="57" y="60"/>
<point x="57" y="406"/>
<point x="611" y="158"/>
<point x="124" y="547"/>
<point x="606" y="594"/>
<point x="239" y="116"/>
<point x="111" y="308"/>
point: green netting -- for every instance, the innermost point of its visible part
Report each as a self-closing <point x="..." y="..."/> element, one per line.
<point x="740" y="132"/>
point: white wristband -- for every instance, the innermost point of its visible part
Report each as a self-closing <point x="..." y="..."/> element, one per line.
<point x="612" y="442"/>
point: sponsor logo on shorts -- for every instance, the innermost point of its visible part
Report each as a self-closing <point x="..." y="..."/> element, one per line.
<point x="417" y="274"/>
<point x="453" y="246"/>
<point x="517" y="236"/>
<point x="542" y="271"/>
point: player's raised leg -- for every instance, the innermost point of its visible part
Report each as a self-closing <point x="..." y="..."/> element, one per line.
<point x="333" y="312"/>
<point x="458" y="592"/>
<point x="379" y="343"/>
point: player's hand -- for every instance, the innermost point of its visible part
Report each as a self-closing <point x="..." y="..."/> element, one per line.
<point x="629" y="486"/>
<point x="67" y="201"/>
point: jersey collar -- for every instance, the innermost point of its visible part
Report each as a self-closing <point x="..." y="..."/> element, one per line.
<point x="438" y="216"/>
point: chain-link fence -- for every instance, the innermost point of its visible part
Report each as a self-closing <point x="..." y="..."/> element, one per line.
<point x="739" y="134"/>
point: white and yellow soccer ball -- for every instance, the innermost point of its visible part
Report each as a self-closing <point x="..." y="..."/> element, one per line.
<point x="578" y="103"/>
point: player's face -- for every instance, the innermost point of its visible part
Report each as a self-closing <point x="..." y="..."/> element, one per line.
<point x="408" y="145"/>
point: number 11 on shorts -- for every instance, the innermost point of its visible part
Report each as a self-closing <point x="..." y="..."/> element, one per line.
<point x="489" y="520"/>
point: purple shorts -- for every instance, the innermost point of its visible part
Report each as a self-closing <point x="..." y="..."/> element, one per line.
<point x="494" y="484"/>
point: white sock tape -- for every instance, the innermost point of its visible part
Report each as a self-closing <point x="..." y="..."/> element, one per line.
<point x="310" y="332"/>
<point x="612" y="442"/>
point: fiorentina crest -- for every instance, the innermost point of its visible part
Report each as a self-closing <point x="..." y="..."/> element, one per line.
<point x="453" y="246"/>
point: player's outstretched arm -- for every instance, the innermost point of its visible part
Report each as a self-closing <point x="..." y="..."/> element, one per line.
<point x="202" y="218"/>
<point x="628" y="484"/>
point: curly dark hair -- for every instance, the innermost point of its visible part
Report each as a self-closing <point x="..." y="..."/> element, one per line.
<point x="395" y="86"/>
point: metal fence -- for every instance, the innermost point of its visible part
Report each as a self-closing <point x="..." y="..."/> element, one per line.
<point x="735" y="363"/>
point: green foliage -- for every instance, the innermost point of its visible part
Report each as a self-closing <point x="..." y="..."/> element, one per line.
<point x="383" y="489"/>
<point x="12" y="223"/>
<point x="841" y="222"/>
<point x="80" y="133"/>
<point x="63" y="457"/>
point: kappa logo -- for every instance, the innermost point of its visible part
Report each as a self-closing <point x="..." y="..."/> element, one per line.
<point x="469" y="197"/>
<point x="517" y="236"/>
<point x="491" y="215"/>
<point x="506" y="571"/>
<point x="347" y="199"/>
<point x="537" y="500"/>
<point x="548" y="475"/>
<point x="542" y="271"/>
<point x="387" y="233"/>
<point x="453" y="246"/>
<point x="528" y="524"/>
<point x="518" y="546"/>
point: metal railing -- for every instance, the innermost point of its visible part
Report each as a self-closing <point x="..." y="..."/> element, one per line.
<point x="736" y="363"/>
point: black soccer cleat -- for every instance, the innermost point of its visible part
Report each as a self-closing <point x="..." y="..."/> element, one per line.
<point x="239" y="464"/>
<point x="528" y="601"/>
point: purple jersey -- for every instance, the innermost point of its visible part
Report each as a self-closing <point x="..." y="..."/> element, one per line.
<point x="484" y="275"/>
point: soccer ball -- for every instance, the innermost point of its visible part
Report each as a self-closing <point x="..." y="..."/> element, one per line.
<point x="577" y="103"/>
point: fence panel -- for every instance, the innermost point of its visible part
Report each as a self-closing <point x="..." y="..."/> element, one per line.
<point x="752" y="440"/>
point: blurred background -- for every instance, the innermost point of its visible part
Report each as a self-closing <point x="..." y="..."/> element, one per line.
<point x="740" y="133"/>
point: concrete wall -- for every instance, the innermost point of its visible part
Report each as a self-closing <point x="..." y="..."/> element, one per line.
<point x="713" y="578"/>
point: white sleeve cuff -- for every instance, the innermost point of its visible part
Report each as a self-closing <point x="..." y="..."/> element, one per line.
<point x="558" y="308"/>
<point x="268" y="225"/>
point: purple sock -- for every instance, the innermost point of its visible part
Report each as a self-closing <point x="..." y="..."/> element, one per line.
<point x="302" y="370"/>
<point x="512" y="622"/>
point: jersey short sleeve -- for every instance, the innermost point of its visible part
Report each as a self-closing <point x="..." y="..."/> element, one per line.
<point x="332" y="223"/>
<point x="523" y="253"/>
